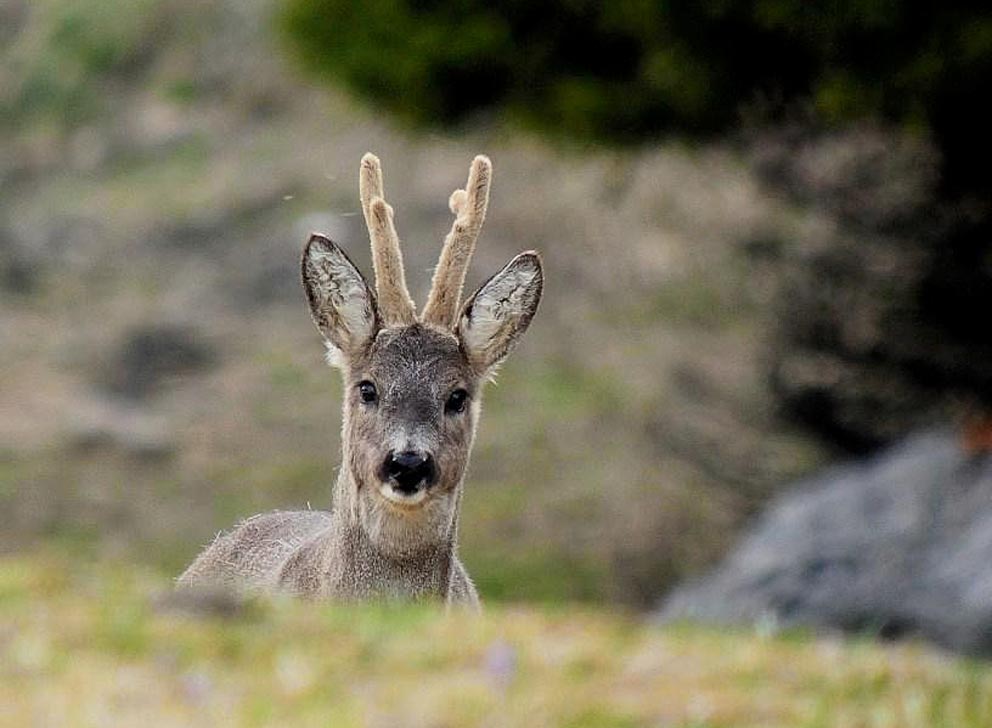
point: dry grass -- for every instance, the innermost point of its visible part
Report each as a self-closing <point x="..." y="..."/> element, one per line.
<point x="87" y="647"/>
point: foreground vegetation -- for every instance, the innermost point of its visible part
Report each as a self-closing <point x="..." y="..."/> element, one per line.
<point x="106" y="645"/>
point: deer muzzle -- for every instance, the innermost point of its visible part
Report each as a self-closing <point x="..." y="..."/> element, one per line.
<point x="409" y="471"/>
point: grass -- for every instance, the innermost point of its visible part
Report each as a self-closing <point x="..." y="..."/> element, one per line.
<point x="87" y="646"/>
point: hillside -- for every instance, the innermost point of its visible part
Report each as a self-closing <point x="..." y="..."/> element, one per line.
<point x="161" y="167"/>
<point x="86" y="646"/>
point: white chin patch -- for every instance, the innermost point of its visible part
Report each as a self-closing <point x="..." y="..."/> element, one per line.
<point x="402" y="499"/>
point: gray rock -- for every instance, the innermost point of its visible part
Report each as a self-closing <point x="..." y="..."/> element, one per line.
<point x="897" y="545"/>
<point x="99" y="423"/>
<point x="149" y="356"/>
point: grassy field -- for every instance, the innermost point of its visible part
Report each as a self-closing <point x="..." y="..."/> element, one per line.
<point x="102" y="645"/>
<point x="160" y="169"/>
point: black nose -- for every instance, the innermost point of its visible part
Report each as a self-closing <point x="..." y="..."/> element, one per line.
<point x="409" y="470"/>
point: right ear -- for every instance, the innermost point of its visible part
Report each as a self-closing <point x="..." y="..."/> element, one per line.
<point x="341" y="303"/>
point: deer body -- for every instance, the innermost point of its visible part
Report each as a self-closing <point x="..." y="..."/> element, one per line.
<point x="413" y="387"/>
<point x="307" y="554"/>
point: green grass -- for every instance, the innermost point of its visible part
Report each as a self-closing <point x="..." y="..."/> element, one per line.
<point x="87" y="645"/>
<point x="534" y="574"/>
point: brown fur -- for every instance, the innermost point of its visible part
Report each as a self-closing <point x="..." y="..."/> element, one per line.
<point x="379" y="541"/>
<point x="395" y="303"/>
<point x="469" y="208"/>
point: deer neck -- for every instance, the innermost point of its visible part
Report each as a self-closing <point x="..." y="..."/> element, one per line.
<point x="399" y="536"/>
<point x="372" y="555"/>
<point x="366" y="571"/>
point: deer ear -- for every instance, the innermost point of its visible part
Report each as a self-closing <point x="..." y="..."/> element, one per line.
<point x="341" y="303"/>
<point x="496" y="316"/>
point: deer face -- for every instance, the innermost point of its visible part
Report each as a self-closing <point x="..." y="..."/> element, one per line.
<point x="412" y="409"/>
<point x="412" y="392"/>
<point x="413" y="383"/>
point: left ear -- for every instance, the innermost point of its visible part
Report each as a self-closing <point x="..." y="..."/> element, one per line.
<point x="497" y="315"/>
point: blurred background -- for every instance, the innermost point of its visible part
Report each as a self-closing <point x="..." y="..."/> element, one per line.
<point x="765" y="229"/>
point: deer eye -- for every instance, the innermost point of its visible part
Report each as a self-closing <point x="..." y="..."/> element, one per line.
<point x="368" y="393"/>
<point x="456" y="402"/>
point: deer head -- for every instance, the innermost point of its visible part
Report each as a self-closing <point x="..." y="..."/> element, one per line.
<point x="413" y="384"/>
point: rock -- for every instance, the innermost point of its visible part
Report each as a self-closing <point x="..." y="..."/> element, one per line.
<point x="18" y="277"/>
<point x="18" y="273"/>
<point x="149" y="356"/>
<point x="97" y="423"/>
<point x="201" y="601"/>
<point x="898" y="545"/>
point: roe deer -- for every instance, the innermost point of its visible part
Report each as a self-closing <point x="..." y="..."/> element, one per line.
<point x="412" y="393"/>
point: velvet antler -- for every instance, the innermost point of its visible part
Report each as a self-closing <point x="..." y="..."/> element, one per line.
<point x="395" y="305"/>
<point x="469" y="208"/>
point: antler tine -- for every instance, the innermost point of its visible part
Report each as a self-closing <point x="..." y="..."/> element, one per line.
<point x="469" y="208"/>
<point x="395" y="305"/>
